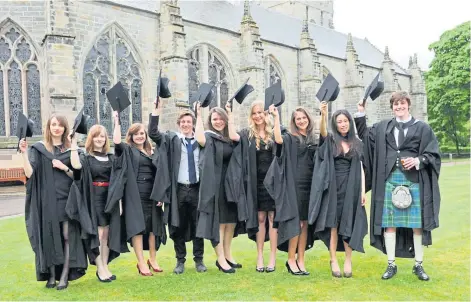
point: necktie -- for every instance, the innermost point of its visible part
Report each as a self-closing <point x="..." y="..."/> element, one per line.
<point x="191" y="161"/>
<point x="401" y="127"/>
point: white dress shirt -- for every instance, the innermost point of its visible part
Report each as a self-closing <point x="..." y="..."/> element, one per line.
<point x="183" y="172"/>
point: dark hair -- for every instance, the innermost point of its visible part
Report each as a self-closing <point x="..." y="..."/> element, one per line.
<point x="222" y="113"/>
<point x="353" y="142"/>
<point x="311" y="137"/>
<point x="399" y="96"/>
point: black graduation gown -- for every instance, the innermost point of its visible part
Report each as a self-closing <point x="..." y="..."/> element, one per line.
<point x="353" y="226"/>
<point x="241" y="187"/>
<point x="124" y="186"/>
<point x="281" y="185"/>
<point x="211" y="164"/>
<point x="81" y="209"/>
<point x="42" y="222"/>
<point x="169" y="147"/>
<point x="419" y="136"/>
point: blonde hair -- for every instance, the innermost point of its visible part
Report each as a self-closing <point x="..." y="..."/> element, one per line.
<point x="222" y="113"/>
<point x="253" y="132"/>
<point x="132" y="131"/>
<point x="310" y="135"/>
<point x="48" y="134"/>
<point x="94" y="131"/>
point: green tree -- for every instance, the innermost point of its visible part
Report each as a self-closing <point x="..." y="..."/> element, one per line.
<point x="448" y="83"/>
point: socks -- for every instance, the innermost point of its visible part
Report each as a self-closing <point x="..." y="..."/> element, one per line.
<point x="390" y="242"/>
<point x="419" y="249"/>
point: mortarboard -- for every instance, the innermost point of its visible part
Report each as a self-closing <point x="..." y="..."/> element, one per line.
<point x="204" y="95"/>
<point x="162" y="88"/>
<point x="329" y="90"/>
<point x="274" y="95"/>
<point x="24" y="127"/>
<point x="242" y="92"/>
<point x="118" y="97"/>
<point x="80" y="123"/>
<point x="374" y="90"/>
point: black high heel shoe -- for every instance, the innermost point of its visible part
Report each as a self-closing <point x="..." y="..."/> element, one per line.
<point x="305" y="273"/>
<point x="226" y="271"/>
<point x="61" y="287"/>
<point x="234" y="265"/>
<point x="102" y="280"/>
<point x="260" y="269"/>
<point x="50" y="285"/>
<point x="298" y="273"/>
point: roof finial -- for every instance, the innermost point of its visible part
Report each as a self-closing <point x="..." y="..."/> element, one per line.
<point x="350" y="46"/>
<point x="386" y="54"/>
<point x="247" y="16"/>
<point x="414" y="60"/>
<point x="306" y="21"/>
<point x="410" y="62"/>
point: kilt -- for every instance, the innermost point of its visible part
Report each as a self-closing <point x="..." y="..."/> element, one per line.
<point x="401" y="218"/>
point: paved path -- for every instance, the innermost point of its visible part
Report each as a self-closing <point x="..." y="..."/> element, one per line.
<point x="12" y="205"/>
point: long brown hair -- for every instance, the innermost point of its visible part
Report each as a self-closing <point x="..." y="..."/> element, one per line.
<point x="253" y="132"/>
<point x="94" y="131"/>
<point x="135" y="129"/>
<point x="310" y="135"/>
<point x="222" y="113"/>
<point x="48" y="134"/>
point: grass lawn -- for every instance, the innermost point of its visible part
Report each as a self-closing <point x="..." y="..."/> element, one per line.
<point x="447" y="262"/>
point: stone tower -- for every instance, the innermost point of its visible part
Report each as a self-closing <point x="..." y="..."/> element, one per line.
<point x="417" y="91"/>
<point x="353" y="89"/>
<point x="251" y="62"/>
<point x="173" y="60"/>
<point x="309" y="69"/>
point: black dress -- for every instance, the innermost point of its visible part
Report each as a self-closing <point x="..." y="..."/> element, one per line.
<point x="145" y="183"/>
<point x="62" y="183"/>
<point x="264" y="159"/>
<point x="101" y="171"/>
<point x="342" y="165"/>
<point x="227" y="210"/>
<point x="304" y="168"/>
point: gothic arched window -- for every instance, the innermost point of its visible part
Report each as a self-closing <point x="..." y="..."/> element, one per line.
<point x="20" y="86"/>
<point x="273" y="75"/>
<point x="110" y="60"/>
<point x="216" y="74"/>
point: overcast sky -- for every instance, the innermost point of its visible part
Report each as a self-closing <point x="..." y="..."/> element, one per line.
<point x="405" y="26"/>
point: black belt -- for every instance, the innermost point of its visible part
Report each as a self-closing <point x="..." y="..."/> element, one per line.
<point x="189" y="185"/>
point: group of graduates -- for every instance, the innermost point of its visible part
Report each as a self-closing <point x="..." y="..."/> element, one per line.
<point x="286" y="185"/>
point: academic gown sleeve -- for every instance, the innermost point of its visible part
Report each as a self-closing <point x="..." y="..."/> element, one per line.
<point x="208" y="218"/>
<point x="131" y="222"/>
<point x="281" y="186"/>
<point x="234" y="182"/>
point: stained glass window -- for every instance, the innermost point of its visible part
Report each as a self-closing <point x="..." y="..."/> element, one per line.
<point x="18" y="60"/>
<point x="110" y="60"/>
<point x="217" y="75"/>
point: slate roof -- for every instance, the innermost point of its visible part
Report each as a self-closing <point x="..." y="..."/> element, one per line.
<point x="275" y="27"/>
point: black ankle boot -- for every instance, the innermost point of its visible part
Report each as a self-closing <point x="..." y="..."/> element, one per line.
<point x="391" y="270"/>
<point x="419" y="271"/>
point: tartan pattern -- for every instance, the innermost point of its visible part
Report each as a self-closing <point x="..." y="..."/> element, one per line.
<point x="401" y="218"/>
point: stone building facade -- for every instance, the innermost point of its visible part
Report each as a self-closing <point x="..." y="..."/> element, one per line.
<point x="57" y="56"/>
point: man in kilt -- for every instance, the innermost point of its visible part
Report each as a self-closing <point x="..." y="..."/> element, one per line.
<point x="402" y="166"/>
